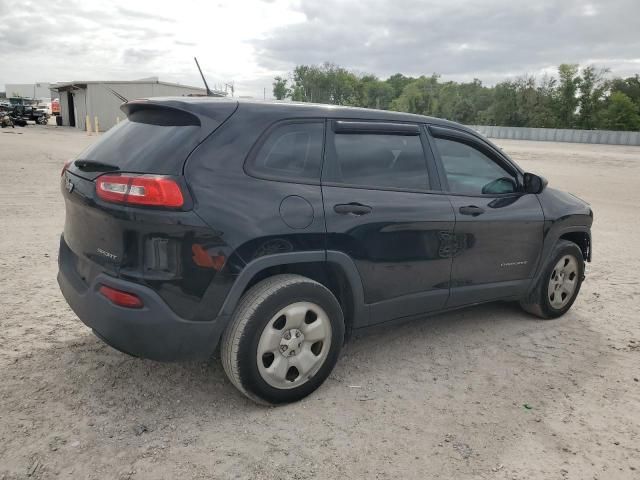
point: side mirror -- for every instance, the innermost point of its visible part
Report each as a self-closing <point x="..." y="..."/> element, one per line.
<point x="501" y="185"/>
<point x="534" y="183"/>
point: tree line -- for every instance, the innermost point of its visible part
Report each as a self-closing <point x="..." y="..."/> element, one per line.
<point x="577" y="97"/>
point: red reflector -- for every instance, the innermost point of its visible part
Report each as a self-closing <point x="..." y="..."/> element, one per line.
<point x="123" y="299"/>
<point x="202" y="258"/>
<point x="149" y="190"/>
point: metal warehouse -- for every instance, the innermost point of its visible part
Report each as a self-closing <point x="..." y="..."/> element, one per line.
<point x="39" y="91"/>
<point x="101" y="100"/>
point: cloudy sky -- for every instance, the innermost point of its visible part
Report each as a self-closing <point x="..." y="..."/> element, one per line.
<point x="248" y="42"/>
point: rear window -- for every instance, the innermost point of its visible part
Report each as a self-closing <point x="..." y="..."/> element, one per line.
<point x="145" y="147"/>
<point x="292" y="151"/>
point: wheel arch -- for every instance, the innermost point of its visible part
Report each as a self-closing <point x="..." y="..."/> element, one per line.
<point x="335" y="270"/>
<point x="582" y="238"/>
<point x="578" y="234"/>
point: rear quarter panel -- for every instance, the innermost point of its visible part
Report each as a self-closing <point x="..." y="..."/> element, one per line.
<point x="243" y="211"/>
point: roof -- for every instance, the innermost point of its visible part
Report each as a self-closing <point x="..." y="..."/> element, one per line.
<point x="284" y="109"/>
<point x="304" y="109"/>
<point x="84" y="83"/>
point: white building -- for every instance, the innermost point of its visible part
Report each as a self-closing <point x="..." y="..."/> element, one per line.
<point x="39" y="91"/>
<point x="102" y="99"/>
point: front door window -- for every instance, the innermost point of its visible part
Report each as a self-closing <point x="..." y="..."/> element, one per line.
<point x="471" y="172"/>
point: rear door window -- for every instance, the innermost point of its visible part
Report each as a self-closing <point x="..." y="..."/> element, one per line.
<point x="378" y="161"/>
<point x="290" y="151"/>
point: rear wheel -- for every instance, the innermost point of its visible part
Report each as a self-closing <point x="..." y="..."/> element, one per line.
<point x="560" y="282"/>
<point x="283" y="340"/>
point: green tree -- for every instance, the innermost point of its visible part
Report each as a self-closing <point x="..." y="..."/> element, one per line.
<point x="374" y="93"/>
<point x="566" y="95"/>
<point x="280" y="89"/>
<point x="503" y="107"/>
<point x="397" y="82"/>
<point x="327" y="83"/>
<point x="419" y="96"/>
<point x="342" y="85"/>
<point x="629" y="86"/>
<point x="592" y="86"/>
<point x="575" y="98"/>
<point x="462" y="102"/>
<point x="544" y="114"/>
<point x="620" y="114"/>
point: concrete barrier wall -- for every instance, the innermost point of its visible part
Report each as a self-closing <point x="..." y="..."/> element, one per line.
<point x="609" y="137"/>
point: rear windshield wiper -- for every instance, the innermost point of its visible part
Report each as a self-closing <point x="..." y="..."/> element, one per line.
<point x="93" y="166"/>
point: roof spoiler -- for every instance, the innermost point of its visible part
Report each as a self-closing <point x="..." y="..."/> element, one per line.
<point x="174" y="112"/>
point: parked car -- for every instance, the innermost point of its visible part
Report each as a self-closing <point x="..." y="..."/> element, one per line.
<point x="21" y="114"/>
<point x="274" y="230"/>
<point x="46" y="107"/>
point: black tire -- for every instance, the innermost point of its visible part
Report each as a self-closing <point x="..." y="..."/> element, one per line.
<point x="256" y="309"/>
<point x="538" y="303"/>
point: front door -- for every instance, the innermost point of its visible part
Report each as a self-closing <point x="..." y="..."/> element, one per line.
<point x="499" y="228"/>
<point x="381" y="210"/>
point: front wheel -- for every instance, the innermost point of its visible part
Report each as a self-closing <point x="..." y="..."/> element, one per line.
<point x="560" y="282"/>
<point x="283" y="339"/>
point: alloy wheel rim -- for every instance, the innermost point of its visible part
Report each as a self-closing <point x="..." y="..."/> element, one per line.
<point x="563" y="282"/>
<point x="294" y="345"/>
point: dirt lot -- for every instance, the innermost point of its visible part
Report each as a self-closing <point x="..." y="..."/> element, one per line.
<point x="488" y="392"/>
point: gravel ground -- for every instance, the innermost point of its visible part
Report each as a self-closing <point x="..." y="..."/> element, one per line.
<point x="487" y="392"/>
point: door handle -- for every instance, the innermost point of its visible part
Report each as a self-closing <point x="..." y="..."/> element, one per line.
<point x="471" y="210"/>
<point x="352" y="208"/>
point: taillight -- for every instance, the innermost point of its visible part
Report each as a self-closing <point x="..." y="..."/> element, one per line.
<point x="120" y="298"/>
<point x="65" y="166"/>
<point x="148" y="190"/>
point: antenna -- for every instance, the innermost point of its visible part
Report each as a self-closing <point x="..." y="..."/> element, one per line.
<point x="121" y="97"/>
<point x="209" y="92"/>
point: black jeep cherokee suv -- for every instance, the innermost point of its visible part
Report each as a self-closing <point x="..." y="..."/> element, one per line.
<point x="274" y="229"/>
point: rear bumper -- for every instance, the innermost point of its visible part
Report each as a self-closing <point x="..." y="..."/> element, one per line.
<point x="154" y="331"/>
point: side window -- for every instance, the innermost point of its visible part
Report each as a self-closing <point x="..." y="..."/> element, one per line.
<point x="292" y="151"/>
<point x="471" y="172"/>
<point x="379" y="161"/>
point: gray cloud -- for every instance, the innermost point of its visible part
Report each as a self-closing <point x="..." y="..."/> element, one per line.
<point x="140" y="55"/>
<point x="72" y="39"/>
<point x="73" y="29"/>
<point x="185" y="44"/>
<point x="459" y="39"/>
<point x="126" y="12"/>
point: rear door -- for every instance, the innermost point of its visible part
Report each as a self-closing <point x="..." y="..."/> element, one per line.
<point x="499" y="228"/>
<point x="384" y="210"/>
